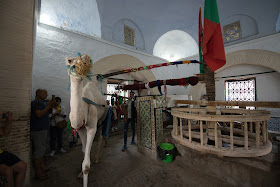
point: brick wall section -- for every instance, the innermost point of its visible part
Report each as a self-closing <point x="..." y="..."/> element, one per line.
<point x="16" y="51"/>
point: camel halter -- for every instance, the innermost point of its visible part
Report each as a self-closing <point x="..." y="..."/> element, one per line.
<point x="74" y="131"/>
<point x="82" y="69"/>
<point x="82" y="66"/>
<point x="88" y="101"/>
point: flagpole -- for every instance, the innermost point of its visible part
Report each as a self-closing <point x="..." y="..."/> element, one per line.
<point x="200" y="35"/>
<point x="213" y="46"/>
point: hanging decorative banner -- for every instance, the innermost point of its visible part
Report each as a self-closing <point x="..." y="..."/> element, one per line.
<point x="172" y="82"/>
<point x="160" y="65"/>
<point x="151" y="67"/>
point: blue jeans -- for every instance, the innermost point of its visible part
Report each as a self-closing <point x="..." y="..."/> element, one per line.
<point x="56" y="133"/>
<point x="106" y="123"/>
<point x="132" y="121"/>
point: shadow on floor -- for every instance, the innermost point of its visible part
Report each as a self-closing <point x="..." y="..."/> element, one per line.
<point x="117" y="168"/>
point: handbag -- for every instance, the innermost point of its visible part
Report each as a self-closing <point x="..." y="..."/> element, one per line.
<point x="61" y="124"/>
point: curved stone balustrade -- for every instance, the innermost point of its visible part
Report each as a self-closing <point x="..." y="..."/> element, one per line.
<point x="225" y="132"/>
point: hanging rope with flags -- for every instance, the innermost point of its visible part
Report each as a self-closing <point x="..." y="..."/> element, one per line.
<point x="151" y="67"/>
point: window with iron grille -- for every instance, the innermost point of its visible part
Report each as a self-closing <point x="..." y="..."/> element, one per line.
<point x="241" y="90"/>
<point x="129" y="34"/>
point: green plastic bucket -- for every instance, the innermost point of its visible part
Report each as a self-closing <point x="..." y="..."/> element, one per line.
<point x="168" y="159"/>
<point x="167" y="147"/>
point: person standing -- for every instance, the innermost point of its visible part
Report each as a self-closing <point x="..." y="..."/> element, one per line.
<point x="115" y="115"/>
<point x="11" y="167"/>
<point x="39" y="126"/>
<point x="58" y="114"/>
<point x="106" y="122"/>
<point x="131" y="115"/>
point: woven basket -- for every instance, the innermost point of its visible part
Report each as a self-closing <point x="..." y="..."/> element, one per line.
<point x="83" y="65"/>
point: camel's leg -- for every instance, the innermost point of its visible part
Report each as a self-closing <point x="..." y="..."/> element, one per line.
<point x="100" y="138"/>
<point x="91" y="131"/>
<point x="106" y="141"/>
<point x="83" y="136"/>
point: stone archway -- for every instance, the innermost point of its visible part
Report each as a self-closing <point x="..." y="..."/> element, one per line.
<point x="256" y="57"/>
<point x="122" y="61"/>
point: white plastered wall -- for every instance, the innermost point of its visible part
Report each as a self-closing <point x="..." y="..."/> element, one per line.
<point x="53" y="45"/>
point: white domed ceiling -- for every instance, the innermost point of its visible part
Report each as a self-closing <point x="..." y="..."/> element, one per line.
<point x="175" y="45"/>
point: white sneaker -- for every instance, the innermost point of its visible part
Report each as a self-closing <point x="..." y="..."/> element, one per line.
<point x="52" y="153"/>
<point x="62" y="150"/>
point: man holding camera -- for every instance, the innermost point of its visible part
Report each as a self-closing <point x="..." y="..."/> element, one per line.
<point x="11" y="167"/>
<point x="39" y="126"/>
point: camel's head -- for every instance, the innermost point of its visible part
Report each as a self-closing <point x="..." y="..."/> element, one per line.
<point x="80" y="66"/>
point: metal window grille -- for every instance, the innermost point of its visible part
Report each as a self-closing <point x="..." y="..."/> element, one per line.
<point x="241" y="90"/>
<point x="129" y="34"/>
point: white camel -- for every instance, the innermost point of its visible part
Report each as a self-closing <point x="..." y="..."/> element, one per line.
<point x="85" y="117"/>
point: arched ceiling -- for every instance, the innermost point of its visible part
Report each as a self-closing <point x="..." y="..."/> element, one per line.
<point x="157" y="17"/>
<point x="153" y="19"/>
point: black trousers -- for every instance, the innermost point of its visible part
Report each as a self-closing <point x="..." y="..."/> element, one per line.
<point x="56" y="133"/>
<point x="132" y="121"/>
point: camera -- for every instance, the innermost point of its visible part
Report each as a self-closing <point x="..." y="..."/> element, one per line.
<point x="5" y="115"/>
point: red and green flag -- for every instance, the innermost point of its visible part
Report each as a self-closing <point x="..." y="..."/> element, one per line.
<point x="200" y="32"/>
<point x="213" y="45"/>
